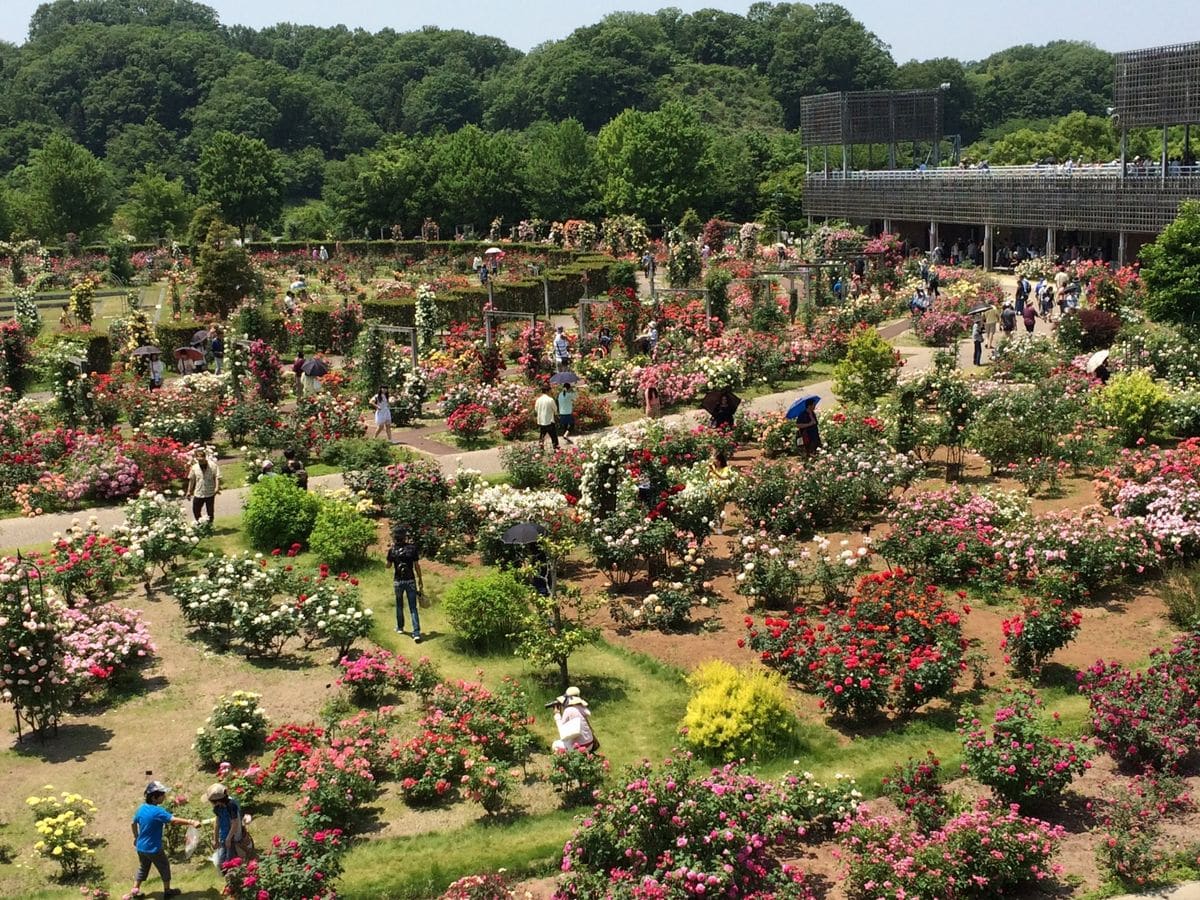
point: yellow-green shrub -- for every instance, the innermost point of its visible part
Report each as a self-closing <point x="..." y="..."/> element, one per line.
<point x="734" y="714"/>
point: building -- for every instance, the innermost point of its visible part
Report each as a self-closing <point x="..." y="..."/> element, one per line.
<point x="1115" y="207"/>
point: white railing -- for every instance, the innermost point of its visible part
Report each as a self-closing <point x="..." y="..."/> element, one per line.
<point x="1100" y="170"/>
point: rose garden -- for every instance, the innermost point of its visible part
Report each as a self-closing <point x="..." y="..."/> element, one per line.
<point x="952" y="652"/>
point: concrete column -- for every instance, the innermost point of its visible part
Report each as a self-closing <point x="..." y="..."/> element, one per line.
<point x="1051" y="250"/>
<point x="887" y="226"/>
<point x="1122" y="248"/>
<point x="933" y="235"/>
<point x="846" y="159"/>
<point x="988" y="250"/>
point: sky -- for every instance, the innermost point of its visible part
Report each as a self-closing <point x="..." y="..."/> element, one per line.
<point x="922" y="29"/>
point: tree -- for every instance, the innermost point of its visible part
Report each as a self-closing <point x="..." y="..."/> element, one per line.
<point x="242" y="176"/>
<point x="477" y="176"/>
<point x="655" y="164"/>
<point x="556" y="625"/>
<point x="68" y="189"/>
<point x="224" y="273"/>
<point x="380" y="189"/>
<point x="559" y="170"/>
<point x="1171" y="269"/>
<point x="158" y="207"/>
<point x="443" y="99"/>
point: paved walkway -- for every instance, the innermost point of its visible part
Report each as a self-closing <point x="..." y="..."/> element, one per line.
<point x="1188" y="891"/>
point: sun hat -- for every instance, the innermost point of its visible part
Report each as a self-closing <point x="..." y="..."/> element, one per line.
<point x="216" y="792"/>
<point x="573" y="698"/>
<point x="155" y="787"/>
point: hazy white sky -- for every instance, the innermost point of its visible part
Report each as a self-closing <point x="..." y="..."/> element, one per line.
<point x="919" y="29"/>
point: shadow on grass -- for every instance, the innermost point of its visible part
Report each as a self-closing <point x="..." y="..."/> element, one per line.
<point x="938" y="718"/>
<point x="1057" y="675"/>
<point x="75" y="741"/>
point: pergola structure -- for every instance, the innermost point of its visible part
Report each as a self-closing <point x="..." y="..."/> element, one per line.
<point x="405" y="331"/>
<point x="849" y="118"/>
<point x="1158" y="87"/>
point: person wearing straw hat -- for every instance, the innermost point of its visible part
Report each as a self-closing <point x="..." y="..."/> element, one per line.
<point x="574" y="721"/>
<point x="147" y="825"/>
<point x="227" y="823"/>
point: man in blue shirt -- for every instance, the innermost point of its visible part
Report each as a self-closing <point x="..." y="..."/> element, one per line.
<point x="147" y="827"/>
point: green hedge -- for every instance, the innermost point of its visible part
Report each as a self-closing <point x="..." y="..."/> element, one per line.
<point x="317" y="322"/>
<point x="99" y="353"/>
<point x="171" y="335"/>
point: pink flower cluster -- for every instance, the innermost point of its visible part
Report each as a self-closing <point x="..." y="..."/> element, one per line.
<point x="101" y="641"/>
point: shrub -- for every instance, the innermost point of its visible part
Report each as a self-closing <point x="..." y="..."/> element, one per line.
<point x="375" y="675"/>
<point x="1030" y="639"/>
<point x="1180" y="592"/>
<point x="1088" y="330"/>
<point x="61" y="838"/>
<point x="1134" y="403"/>
<point x="483" y="609"/>
<point x="591" y="412"/>
<point x="307" y="867"/>
<point x="1132" y="823"/>
<point x="1171" y="268"/>
<point x="237" y="727"/>
<point x="914" y="787"/>
<point x="279" y="513"/>
<point x="341" y="536"/>
<point x="1149" y="718"/>
<point x="1026" y="421"/>
<point x="716" y="831"/>
<point x="488" y="784"/>
<point x="357" y="453"/>
<point x="1019" y="761"/>
<point x="869" y="369"/>
<point x="525" y="465"/>
<point x="493" y="886"/>
<point x="984" y="854"/>
<point x="737" y="714"/>
<point x="578" y="775"/>
<point x="949" y="535"/>
<point x="468" y="422"/>
<point x="895" y="645"/>
<point x="942" y="326"/>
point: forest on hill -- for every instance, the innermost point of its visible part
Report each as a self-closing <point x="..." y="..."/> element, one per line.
<point x="123" y="115"/>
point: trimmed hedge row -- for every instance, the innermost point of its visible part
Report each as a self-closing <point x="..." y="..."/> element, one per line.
<point x="464" y="303"/>
<point x="170" y="335"/>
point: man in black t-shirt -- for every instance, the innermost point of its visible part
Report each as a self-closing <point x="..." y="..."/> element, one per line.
<point x="406" y="579"/>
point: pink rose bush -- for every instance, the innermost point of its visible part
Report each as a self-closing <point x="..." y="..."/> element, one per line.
<point x="1149" y="718"/>
<point x="1017" y="757"/>
<point x="989" y="852"/>
<point x="101" y="644"/>
<point x="677" y="832"/>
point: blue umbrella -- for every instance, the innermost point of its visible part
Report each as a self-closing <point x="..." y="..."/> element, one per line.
<point x="564" y="378"/>
<point x="796" y="410"/>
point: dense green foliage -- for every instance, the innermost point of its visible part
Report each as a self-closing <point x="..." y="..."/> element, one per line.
<point x="1171" y="269"/>
<point x="145" y="108"/>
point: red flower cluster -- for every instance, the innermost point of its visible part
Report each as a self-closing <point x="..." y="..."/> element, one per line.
<point x="896" y="645"/>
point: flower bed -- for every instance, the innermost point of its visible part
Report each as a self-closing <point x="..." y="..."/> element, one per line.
<point x="896" y="645"/>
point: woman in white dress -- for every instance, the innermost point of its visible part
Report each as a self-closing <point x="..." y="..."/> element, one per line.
<point x="383" y="413"/>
